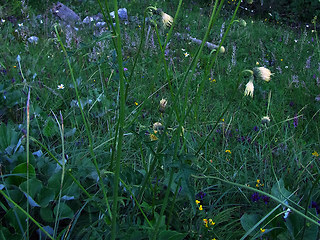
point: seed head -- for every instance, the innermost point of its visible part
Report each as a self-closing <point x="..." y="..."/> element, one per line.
<point x="167" y="20"/>
<point x="263" y="73"/>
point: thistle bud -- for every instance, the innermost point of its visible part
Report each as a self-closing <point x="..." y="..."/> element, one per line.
<point x="265" y="120"/>
<point x="243" y="23"/>
<point x="222" y="49"/>
<point x="163" y="104"/>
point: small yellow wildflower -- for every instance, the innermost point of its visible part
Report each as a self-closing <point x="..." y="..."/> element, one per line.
<point x="200" y="208"/>
<point x="205" y="221"/>
<point x="197" y="201"/>
<point x="257" y="63"/>
<point x="14" y="66"/>
<point x="262" y="230"/>
<point x="212" y="80"/>
<point x="316" y="154"/>
<point x="135" y="103"/>
<point x="281" y="59"/>
<point x="153" y="137"/>
<point x="258" y="181"/>
<point x="228" y="151"/>
<point x="211" y="222"/>
<point x="257" y="185"/>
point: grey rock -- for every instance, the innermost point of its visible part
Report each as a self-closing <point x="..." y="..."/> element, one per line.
<point x="65" y="13"/>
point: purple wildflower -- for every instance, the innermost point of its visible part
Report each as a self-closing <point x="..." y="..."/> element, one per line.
<point x="295" y="121"/>
<point x="255" y="197"/>
<point x="125" y="69"/>
<point x="266" y="199"/>
<point x="316" y="206"/>
<point x="200" y="195"/>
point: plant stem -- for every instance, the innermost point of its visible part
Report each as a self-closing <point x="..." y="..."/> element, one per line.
<point x="120" y="122"/>
<point x="88" y="131"/>
<point x="28" y="157"/>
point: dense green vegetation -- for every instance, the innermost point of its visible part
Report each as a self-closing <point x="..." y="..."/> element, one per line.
<point x="132" y="131"/>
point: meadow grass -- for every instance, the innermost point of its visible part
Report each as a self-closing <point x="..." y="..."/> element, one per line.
<point x="99" y="158"/>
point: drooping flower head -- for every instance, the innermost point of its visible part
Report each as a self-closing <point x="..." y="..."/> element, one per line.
<point x="243" y="23"/>
<point x="263" y="73"/>
<point x="167" y="20"/>
<point x="163" y="105"/>
<point x="249" y="88"/>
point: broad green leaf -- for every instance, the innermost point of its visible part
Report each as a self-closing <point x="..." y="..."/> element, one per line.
<point x="46" y="214"/>
<point x="50" y="128"/>
<point x="16" y="219"/>
<point x="64" y="211"/>
<point x="279" y="191"/>
<point x="22" y="170"/>
<point x="35" y="186"/>
<point x="45" y="196"/>
<point x="249" y="220"/>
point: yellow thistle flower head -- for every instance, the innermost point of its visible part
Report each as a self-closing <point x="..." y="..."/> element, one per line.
<point x="249" y="88"/>
<point x="163" y="104"/>
<point x="263" y="73"/>
<point x="167" y="20"/>
<point x="157" y="127"/>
